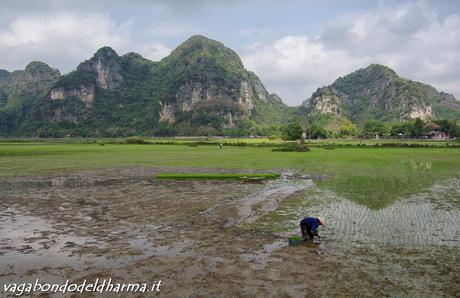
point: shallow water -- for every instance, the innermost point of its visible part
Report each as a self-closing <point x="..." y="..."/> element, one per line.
<point x="68" y="182"/>
<point x="408" y="223"/>
<point x="87" y="224"/>
<point x="29" y="242"/>
<point x="410" y="248"/>
<point x="95" y="222"/>
<point x="431" y="217"/>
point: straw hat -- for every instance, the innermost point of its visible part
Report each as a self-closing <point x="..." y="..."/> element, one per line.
<point x="322" y="220"/>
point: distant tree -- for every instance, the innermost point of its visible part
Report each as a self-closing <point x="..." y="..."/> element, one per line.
<point x="274" y="132"/>
<point x="348" y="129"/>
<point x="374" y="127"/>
<point x="49" y="131"/>
<point x="318" y="132"/>
<point x="406" y="128"/>
<point x="245" y="127"/>
<point x="165" y="130"/>
<point x="418" y="128"/>
<point x="293" y="131"/>
<point x="449" y="126"/>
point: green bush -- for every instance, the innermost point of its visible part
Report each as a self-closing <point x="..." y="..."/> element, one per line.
<point x="292" y="148"/>
<point x="135" y="140"/>
<point x="294" y="132"/>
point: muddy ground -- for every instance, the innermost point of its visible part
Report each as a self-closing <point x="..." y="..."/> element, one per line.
<point x="225" y="238"/>
<point x="126" y="225"/>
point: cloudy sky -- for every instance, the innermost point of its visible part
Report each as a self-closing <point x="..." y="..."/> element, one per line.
<point x="294" y="46"/>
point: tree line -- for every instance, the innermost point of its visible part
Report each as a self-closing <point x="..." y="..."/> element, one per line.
<point x="371" y="129"/>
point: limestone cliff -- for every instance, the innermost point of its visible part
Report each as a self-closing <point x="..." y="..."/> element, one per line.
<point x="377" y="92"/>
<point x="103" y="71"/>
<point x="22" y="86"/>
<point x="204" y="83"/>
<point x="202" y="86"/>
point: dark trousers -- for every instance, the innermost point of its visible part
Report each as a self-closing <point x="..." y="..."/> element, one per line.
<point x="307" y="233"/>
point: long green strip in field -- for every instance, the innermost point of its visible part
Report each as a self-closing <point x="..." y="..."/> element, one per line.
<point x="217" y="176"/>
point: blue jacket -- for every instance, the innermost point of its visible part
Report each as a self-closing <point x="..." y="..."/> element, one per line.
<point x="311" y="222"/>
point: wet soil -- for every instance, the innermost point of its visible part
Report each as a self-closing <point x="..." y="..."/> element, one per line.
<point x="226" y="238"/>
<point x="124" y="224"/>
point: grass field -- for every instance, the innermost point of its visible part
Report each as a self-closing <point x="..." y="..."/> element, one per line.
<point x="371" y="176"/>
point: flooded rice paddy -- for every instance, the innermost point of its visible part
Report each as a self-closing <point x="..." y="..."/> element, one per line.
<point x="409" y="223"/>
<point x="410" y="248"/>
<point x="208" y="238"/>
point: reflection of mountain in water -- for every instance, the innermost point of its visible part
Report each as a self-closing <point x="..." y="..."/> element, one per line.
<point x="423" y="219"/>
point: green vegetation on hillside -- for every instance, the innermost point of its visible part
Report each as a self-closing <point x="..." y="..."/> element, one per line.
<point x="378" y="93"/>
<point x="202" y="88"/>
<point x="20" y="91"/>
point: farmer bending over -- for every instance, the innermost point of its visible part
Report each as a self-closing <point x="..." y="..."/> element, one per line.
<point x="309" y="226"/>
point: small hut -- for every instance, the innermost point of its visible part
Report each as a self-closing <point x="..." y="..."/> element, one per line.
<point x="436" y="132"/>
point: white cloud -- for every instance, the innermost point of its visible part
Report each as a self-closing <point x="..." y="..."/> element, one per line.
<point x="62" y="39"/>
<point x="154" y="52"/>
<point x="65" y="39"/>
<point x="408" y="38"/>
<point x="295" y="66"/>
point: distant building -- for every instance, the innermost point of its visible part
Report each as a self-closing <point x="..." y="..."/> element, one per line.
<point x="436" y="132"/>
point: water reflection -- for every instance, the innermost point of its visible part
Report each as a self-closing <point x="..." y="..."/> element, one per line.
<point x="423" y="166"/>
<point x="67" y="182"/>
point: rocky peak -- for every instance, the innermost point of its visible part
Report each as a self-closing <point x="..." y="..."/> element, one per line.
<point x="203" y="54"/>
<point x="379" y="68"/>
<point x="106" y="65"/>
<point x="208" y="78"/>
<point x="102" y="70"/>
<point x="32" y="77"/>
<point x="26" y="85"/>
<point x="105" y="53"/>
<point x="204" y="76"/>
<point x="38" y="68"/>
<point x="199" y="43"/>
<point x="379" y="76"/>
